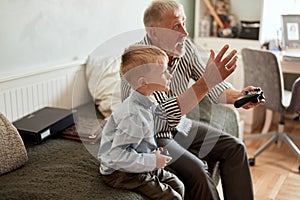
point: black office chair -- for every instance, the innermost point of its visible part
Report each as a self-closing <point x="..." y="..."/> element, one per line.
<point x="262" y="68"/>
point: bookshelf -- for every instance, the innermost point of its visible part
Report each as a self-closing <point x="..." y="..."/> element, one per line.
<point x="268" y="12"/>
<point x="243" y="9"/>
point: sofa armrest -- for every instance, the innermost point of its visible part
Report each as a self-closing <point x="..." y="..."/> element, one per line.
<point x="239" y="121"/>
<point x="221" y="116"/>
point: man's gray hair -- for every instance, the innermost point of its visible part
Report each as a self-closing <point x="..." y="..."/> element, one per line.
<point x="153" y="14"/>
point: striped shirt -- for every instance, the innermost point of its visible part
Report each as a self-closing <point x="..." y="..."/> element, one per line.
<point x="189" y="66"/>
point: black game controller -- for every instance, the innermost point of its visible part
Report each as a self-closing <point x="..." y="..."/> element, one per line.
<point x="165" y="152"/>
<point x="250" y="96"/>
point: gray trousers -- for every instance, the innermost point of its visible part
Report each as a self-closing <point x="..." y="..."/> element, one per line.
<point x="209" y="145"/>
<point x="158" y="184"/>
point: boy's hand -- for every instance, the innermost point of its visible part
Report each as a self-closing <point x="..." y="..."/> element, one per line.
<point x="161" y="160"/>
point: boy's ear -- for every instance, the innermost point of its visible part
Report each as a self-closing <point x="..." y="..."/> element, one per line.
<point x="142" y="81"/>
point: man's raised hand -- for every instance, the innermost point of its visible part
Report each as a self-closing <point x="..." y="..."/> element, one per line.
<point x="219" y="68"/>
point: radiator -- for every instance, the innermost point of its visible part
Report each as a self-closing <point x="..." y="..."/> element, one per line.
<point x="54" y="88"/>
<point x="23" y="100"/>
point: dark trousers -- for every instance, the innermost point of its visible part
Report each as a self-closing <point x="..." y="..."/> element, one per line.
<point x="158" y="184"/>
<point x="210" y="145"/>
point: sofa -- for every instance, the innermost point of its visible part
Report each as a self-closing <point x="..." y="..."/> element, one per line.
<point x="57" y="168"/>
<point x="61" y="168"/>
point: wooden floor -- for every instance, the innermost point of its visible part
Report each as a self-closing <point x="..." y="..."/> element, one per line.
<point x="275" y="174"/>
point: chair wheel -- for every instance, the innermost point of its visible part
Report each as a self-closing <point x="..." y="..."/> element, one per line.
<point x="252" y="161"/>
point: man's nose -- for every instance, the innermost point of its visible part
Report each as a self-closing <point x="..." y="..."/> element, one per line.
<point x="183" y="31"/>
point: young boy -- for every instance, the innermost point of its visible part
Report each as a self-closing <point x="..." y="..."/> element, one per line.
<point x="130" y="158"/>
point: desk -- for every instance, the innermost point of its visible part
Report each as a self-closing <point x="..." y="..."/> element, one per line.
<point x="290" y="67"/>
<point x="290" y="70"/>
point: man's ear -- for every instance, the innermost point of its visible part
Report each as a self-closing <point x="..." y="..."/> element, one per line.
<point x="152" y="34"/>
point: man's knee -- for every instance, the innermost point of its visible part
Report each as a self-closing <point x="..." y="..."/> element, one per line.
<point x="238" y="148"/>
<point x="240" y="145"/>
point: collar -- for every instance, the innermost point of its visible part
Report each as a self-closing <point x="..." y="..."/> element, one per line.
<point x="142" y="100"/>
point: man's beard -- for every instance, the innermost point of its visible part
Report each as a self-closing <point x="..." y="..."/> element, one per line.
<point x="177" y="50"/>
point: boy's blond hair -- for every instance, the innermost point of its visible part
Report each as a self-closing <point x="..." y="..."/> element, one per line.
<point x="137" y="61"/>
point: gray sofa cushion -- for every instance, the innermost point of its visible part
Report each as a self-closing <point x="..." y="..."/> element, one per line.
<point x="60" y="169"/>
<point x="217" y="115"/>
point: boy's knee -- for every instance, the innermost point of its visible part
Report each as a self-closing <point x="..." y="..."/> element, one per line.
<point x="181" y="190"/>
<point x="179" y="187"/>
<point x="177" y="196"/>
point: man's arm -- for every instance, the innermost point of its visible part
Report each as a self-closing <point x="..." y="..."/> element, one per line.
<point x="198" y="62"/>
<point x="216" y="71"/>
<point x="229" y="96"/>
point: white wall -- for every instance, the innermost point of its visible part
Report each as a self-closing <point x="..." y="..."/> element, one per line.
<point x="273" y="9"/>
<point x="36" y="34"/>
<point x="189" y="9"/>
<point x="241" y="9"/>
<point x="268" y="12"/>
